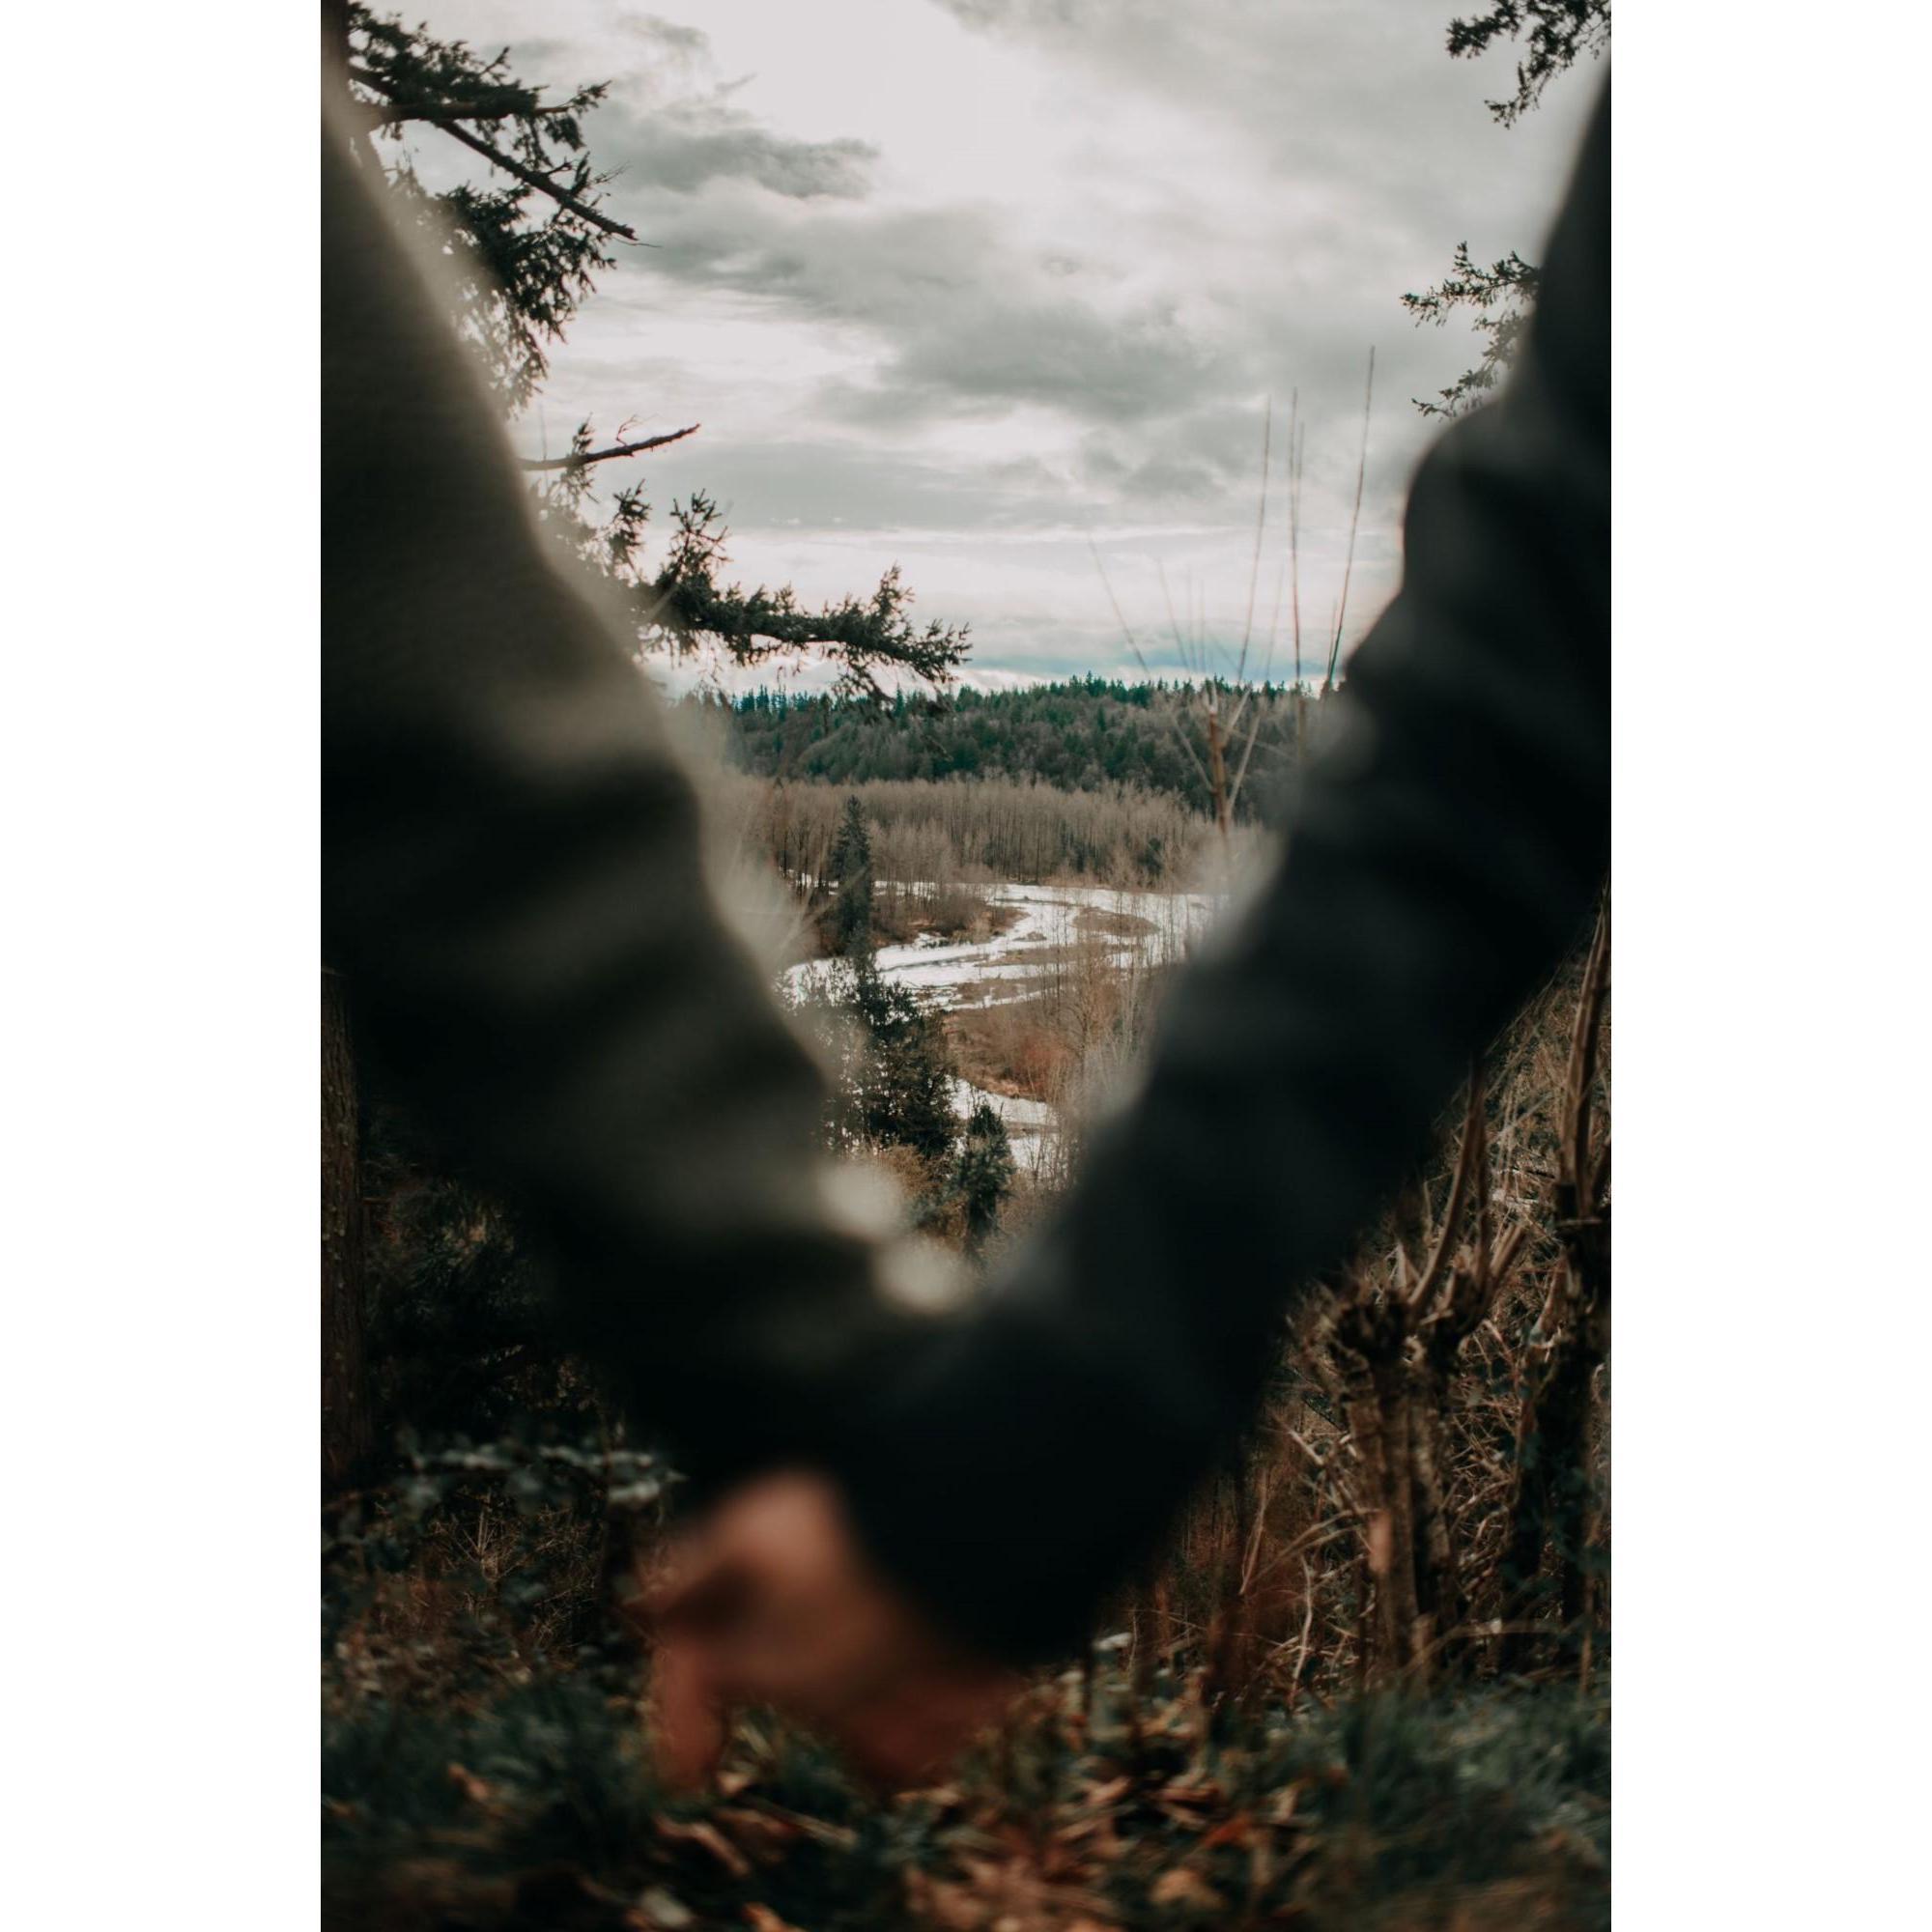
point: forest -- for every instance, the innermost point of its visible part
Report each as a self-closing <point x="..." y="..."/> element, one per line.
<point x="1078" y="734"/>
<point x="1366" y="1681"/>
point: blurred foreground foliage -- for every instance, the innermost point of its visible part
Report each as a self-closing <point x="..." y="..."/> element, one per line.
<point x="1367" y="1687"/>
<point x="485" y="1765"/>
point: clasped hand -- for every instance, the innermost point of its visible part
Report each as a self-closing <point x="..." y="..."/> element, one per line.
<point x="771" y="1600"/>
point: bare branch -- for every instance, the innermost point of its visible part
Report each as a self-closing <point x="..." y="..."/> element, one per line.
<point x="1474" y="1135"/>
<point x="1582" y="1073"/>
<point x="584" y="460"/>
<point x="1261" y="523"/>
<point x="1297" y="433"/>
<point x="561" y="196"/>
<point x="1140" y="658"/>
<point x="1354" y="523"/>
<point x="1174" y="622"/>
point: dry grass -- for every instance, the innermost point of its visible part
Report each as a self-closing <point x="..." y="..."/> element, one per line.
<point x="454" y="1619"/>
<point x="979" y="832"/>
<point x="1103" y="924"/>
<point x="1424" y="1496"/>
<point x="1010" y="1048"/>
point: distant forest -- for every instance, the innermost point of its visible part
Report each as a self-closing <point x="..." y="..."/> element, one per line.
<point x="1085" y="734"/>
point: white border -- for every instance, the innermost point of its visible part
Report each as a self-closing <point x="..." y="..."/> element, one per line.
<point x="159" y="777"/>
<point x="160" y="802"/>
<point x="1771" y="988"/>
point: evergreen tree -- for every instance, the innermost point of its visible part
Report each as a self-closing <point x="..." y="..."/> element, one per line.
<point x="852" y="880"/>
<point x="530" y="239"/>
<point x="982" y="1176"/>
<point x="1558" y="33"/>
<point x="1499" y="298"/>
<point x="906" y="1075"/>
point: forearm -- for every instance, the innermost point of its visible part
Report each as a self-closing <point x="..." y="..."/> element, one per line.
<point x="1447" y="843"/>
<point x="513" y="890"/>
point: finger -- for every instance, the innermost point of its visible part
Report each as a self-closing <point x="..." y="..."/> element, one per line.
<point x="912" y="1736"/>
<point x="689" y="1716"/>
<point x="706" y="1601"/>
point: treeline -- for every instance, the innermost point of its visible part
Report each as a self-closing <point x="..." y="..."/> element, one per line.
<point x="1085" y="734"/>
<point x="955" y="831"/>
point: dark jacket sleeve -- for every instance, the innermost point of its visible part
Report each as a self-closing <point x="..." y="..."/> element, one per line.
<point x="1447" y="844"/>
<point x="513" y="892"/>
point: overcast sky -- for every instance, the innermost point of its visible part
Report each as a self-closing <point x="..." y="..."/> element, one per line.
<point x="981" y="286"/>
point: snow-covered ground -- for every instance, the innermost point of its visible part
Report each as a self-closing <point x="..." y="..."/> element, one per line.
<point x="1124" y="928"/>
<point x="992" y="971"/>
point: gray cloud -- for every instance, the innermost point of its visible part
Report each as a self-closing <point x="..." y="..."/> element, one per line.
<point x="669" y="39"/>
<point x="1120" y="315"/>
<point x="684" y="148"/>
<point x="672" y="126"/>
<point x="966" y="322"/>
<point x="784" y="484"/>
<point x="1356" y="96"/>
<point x="1346" y="105"/>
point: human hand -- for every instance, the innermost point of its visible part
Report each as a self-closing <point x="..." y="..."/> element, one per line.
<point x="772" y="1601"/>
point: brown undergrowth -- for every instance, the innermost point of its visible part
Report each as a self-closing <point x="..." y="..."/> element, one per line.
<point x="1367" y="1687"/>
<point x="1425" y="1500"/>
<point x="979" y="831"/>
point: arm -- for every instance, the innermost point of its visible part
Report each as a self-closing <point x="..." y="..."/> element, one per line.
<point x="1448" y="842"/>
<point x="512" y="890"/>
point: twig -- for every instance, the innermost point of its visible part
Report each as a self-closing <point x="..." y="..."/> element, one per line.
<point x="1140" y="658"/>
<point x="1473" y="1134"/>
<point x="1261" y="522"/>
<point x="1354" y="522"/>
<point x="1297" y="434"/>
<point x="582" y="460"/>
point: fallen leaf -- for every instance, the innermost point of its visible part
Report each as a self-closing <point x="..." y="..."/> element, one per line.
<point x="1282" y="1810"/>
<point x="470" y="1786"/>
<point x="1184" y="1791"/>
<point x="763" y="1919"/>
<point x="1234" y="1830"/>
<point x="941" y="1797"/>
<point x="709" y="1839"/>
<point x="1183" y="1887"/>
<point x="760" y="1831"/>
<point x="944" y="1905"/>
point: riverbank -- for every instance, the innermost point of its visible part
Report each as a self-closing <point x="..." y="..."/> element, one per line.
<point x="1052" y="945"/>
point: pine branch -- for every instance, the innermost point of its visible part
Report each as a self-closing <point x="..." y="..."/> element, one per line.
<point x="561" y="196"/>
<point x="511" y="103"/>
<point x="450" y="120"/>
